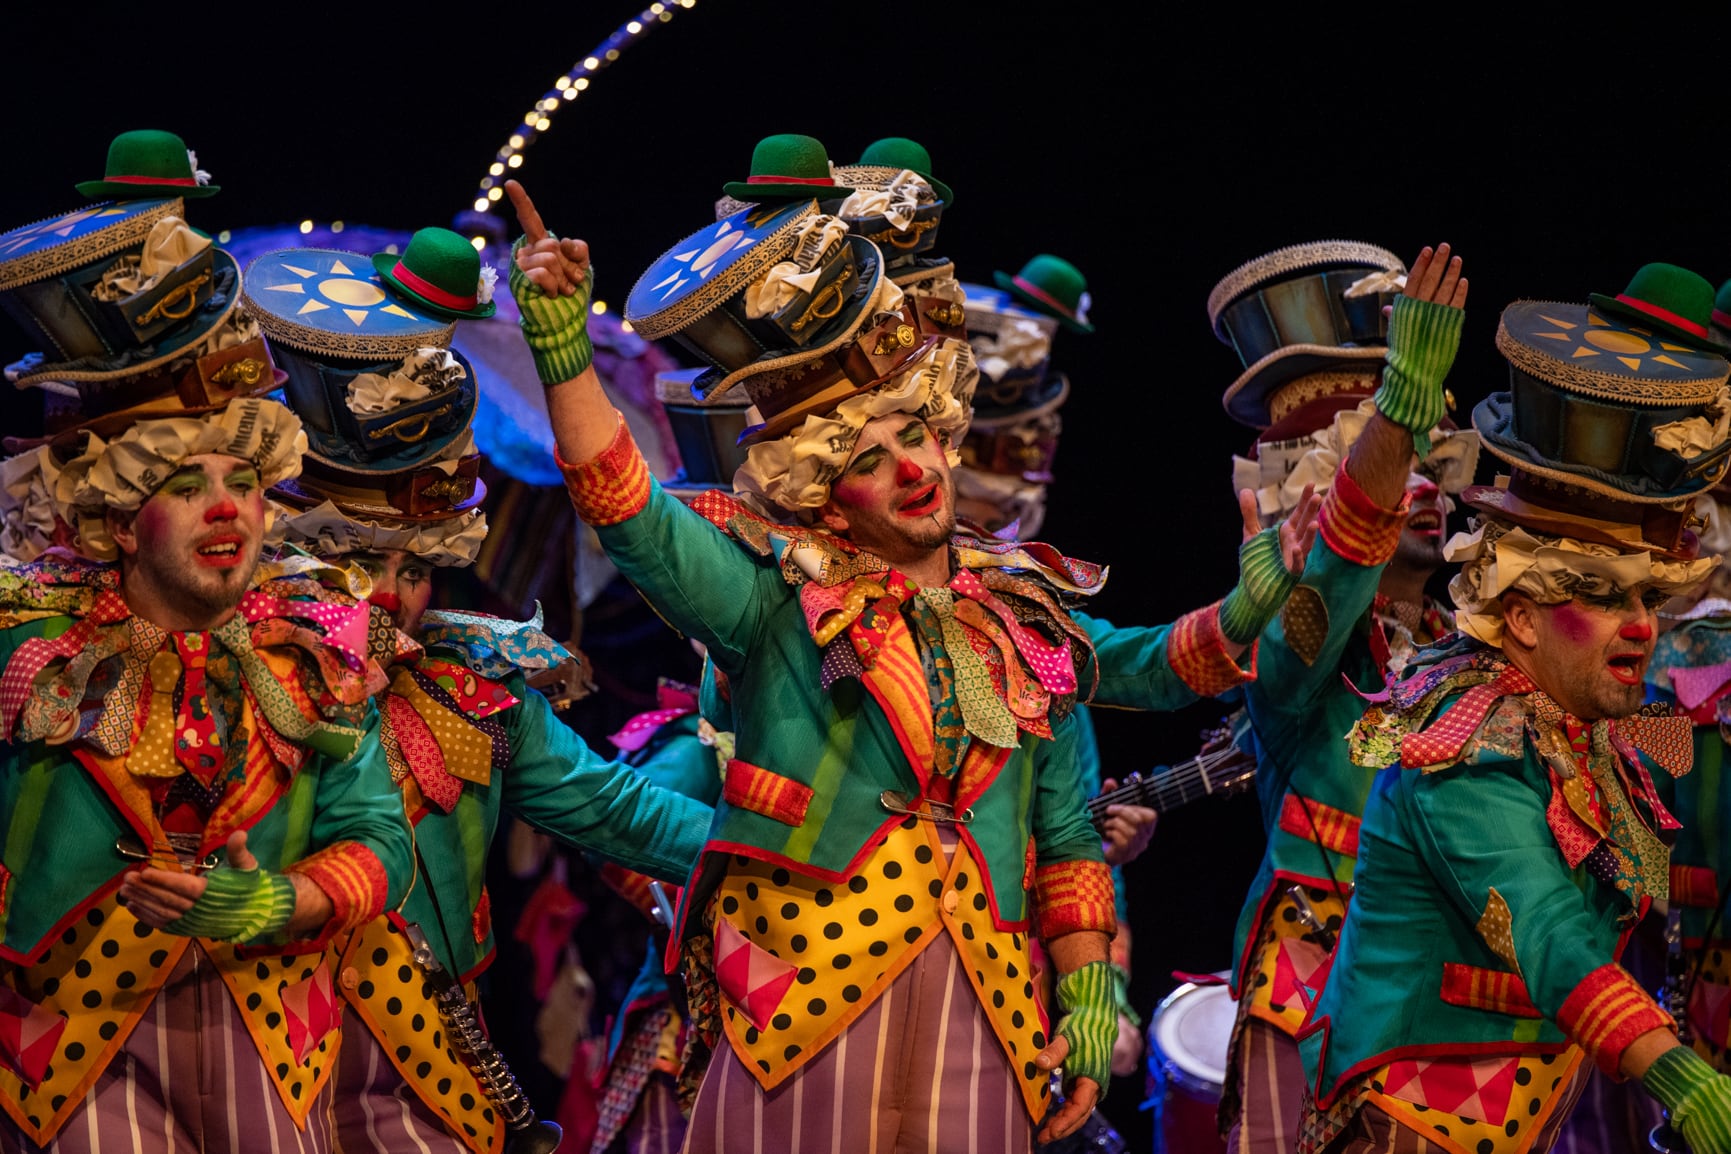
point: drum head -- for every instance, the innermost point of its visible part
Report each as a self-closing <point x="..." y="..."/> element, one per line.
<point x="1190" y="1033"/>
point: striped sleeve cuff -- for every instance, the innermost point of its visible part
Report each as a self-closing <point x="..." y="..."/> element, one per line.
<point x="611" y="487"/>
<point x="1606" y="1012"/>
<point x="352" y="876"/>
<point x="1694" y="886"/>
<point x="1196" y="651"/>
<point x="1074" y="895"/>
<point x="1354" y="527"/>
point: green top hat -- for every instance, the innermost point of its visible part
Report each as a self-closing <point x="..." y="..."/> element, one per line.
<point x="1668" y="300"/>
<point x="148" y="163"/>
<point x="899" y="152"/>
<point x="1053" y="286"/>
<point x="441" y="272"/>
<point x="787" y="166"/>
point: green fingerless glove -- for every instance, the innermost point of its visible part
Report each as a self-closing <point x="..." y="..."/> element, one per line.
<point x="1121" y="994"/>
<point x="557" y="328"/>
<point x="238" y="905"/>
<point x="1422" y="340"/>
<point x="1088" y="997"/>
<point x="1698" y="1097"/>
<point x="1263" y="584"/>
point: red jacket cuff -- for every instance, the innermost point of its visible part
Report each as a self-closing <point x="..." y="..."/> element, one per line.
<point x="1355" y="527"/>
<point x="1196" y="650"/>
<point x="352" y="876"/>
<point x="611" y="487"/>
<point x="1074" y="895"/>
<point x="1607" y="1011"/>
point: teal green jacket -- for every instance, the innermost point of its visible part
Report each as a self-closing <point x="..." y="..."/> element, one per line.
<point x="59" y="824"/>
<point x="1424" y="966"/>
<point x="557" y="784"/>
<point x="825" y="757"/>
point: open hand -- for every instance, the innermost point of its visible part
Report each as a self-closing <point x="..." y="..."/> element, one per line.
<point x="1436" y="277"/>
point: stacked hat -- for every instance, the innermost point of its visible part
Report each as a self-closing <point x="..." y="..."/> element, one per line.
<point x="387" y="402"/>
<point x="143" y="358"/>
<point x="785" y="303"/>
<point x="706" y="432"/>
<point x="1307" y="323"/>
<point x="1720" y="328"/>
<point x="1612" y="428"/>
<point x="897" y="204"/>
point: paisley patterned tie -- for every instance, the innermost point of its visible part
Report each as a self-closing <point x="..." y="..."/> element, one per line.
<point x="196" y="743"/>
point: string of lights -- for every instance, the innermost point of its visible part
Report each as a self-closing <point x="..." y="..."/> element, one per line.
<point x="566" y="89"/>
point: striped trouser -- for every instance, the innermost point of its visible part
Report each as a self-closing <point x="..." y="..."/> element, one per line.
<point x="920" y="1070"/>
<point x="189" y="1080"/>
<point x="375" y="1109"/>
<point x="1270" y="1091"/>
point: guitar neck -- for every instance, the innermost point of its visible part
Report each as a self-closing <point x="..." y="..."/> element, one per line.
<point x="1201" y="776"/>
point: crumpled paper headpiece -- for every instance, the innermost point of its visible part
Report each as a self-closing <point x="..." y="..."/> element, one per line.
<point x="795" y="472"/>
<point x="28" y="523"/>
<point x="1497" y="557"/>
<point x="326" y="531"/>
<point x="123" y="473"/>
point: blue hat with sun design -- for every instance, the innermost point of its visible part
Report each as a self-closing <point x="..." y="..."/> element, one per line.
<point x="1607" y="414"/>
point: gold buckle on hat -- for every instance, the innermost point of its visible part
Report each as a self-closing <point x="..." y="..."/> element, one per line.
<point x="925" y="809"/>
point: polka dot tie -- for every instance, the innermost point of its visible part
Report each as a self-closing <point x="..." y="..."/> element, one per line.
<point x="196" y="744"/>
<point x="153" y="754"/>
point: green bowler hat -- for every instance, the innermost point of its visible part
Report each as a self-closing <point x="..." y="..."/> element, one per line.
<point x="147" y="164"/>
<point x="900" y="152"/>
<point x="440" y="271"/>
<point x="1667" y="299"/>
<point x="1051" y="285"/>
<point x="784" y="167"/>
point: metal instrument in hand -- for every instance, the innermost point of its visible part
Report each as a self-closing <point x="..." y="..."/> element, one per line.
<point x="182" y="848"/>
<point x="526" y="1134"/>
<point x="1674" y="997"/>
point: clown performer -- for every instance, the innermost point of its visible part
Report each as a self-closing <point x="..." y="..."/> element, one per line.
<point x="1341" y="412"/>
<point x="195" y="798"/>
<point x="1515" y="835"/>
<point x="813" y="908"/>
<point x="466" y="736"/>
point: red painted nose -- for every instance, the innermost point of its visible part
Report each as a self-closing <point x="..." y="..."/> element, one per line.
<point x="223" y="510"/>
<point x="389" y="602"/>
<point x="1637" y="631"/>
<point x="908" y="470"/>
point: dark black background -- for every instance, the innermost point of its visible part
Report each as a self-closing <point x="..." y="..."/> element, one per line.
<point x="1154" y="146"/>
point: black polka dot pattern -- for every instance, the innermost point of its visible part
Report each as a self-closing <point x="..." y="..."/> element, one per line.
<point x="850" y="939"/>
<point x="393" y="1000"/>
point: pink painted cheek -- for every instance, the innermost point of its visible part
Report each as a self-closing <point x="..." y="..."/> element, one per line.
<point x="1572" y="623"/>
<point x="151" y="523"/>
<point x="849" y="492"/>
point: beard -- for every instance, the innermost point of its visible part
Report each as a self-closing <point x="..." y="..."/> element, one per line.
<point x="1414" y="552"/>
<point x="898" y="539"/>
<point x="197" y="589"/>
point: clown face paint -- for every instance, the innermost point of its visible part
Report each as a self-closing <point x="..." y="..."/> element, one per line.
<point x="1592" y="652"/>
<point x="189" y="552"/>
<point x="402" y="583"/>
<point x="895" y="497"/>
<point x="1421" y="540"/>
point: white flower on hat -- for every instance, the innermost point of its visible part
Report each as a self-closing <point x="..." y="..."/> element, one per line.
<point x="198" y="174"/>
<point x="484" y="287"/>
<point x="1082" y="306"/>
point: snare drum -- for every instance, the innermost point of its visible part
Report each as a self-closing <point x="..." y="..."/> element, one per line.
<point x="1187" y="1043"/>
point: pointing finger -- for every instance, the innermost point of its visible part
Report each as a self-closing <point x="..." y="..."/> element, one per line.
<point x="526" y="214"/>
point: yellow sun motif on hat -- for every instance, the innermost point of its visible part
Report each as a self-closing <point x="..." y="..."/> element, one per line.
<point x="60" y="226"/>
<point x="331" y="283"/>
<point x="1602" y="338"/>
